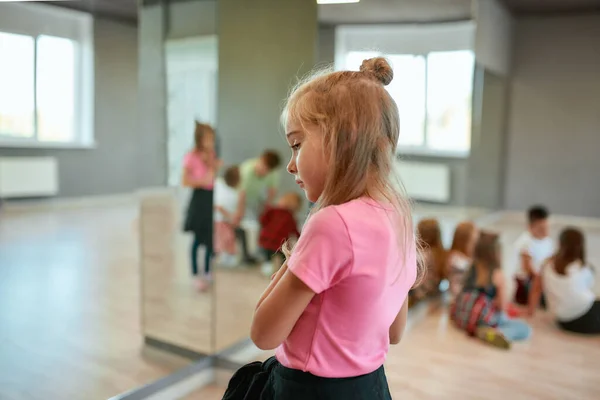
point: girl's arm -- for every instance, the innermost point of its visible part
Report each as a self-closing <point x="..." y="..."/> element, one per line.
<point x="279" y="309"/>
<point x="500" y="283"/>
<point x="241" y="208"/>
<point x="527" y="263"/>
<point x="274" y="280"/>
<point x="397" y="328"/>
<point x="228" y="217"/>
<point x="322" y="257"/>
<point x="190" y="182"/>
<point x="534" y="294"/>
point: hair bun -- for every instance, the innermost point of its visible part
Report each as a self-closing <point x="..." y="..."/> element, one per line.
<point x="378" y="68"/>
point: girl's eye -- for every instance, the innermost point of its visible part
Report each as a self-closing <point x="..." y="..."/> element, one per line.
<point x="295" y="146"/>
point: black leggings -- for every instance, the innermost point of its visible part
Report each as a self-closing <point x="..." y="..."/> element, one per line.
<point x="240" y="235"/>
<point x="207" y="256"/>
<point x="588" y="323"/>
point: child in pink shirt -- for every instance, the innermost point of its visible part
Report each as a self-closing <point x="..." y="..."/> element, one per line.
<point x="199" y="169"/>
<point x="340" y="300"/>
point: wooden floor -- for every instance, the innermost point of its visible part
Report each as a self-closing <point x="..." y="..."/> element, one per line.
<point x="70" y="319"/>
<point x="69" y="306"/>
<point x="436" y="361"/>
<point x="175" y="311"/>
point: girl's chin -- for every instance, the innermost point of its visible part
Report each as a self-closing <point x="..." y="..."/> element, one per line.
<point x="309" y="196"/>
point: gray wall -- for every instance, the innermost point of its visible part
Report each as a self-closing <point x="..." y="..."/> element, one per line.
<point x="326" y="45"/>
<point x="152" y="99"/>
<point x="192" y="18"/>
<point x="486" y="163"/>
<point x="263" y="47"/>
<point x="554" y="120"/>
<point x="112" y="166"/>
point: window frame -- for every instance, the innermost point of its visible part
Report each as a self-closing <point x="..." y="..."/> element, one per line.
<point x="20" y="19"/>
<point x="415" y="40"/>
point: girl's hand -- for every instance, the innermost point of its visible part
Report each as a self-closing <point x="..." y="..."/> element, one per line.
<point x="236" y="220"/>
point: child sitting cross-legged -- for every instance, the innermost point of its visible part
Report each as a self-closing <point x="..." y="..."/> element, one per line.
<point x="227" y="215"/>
<point x="480" y="308"/>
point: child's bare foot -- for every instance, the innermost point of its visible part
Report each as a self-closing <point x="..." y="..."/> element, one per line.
<point x="202" y="284"/>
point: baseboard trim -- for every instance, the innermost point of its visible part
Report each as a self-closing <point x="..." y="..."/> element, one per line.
<point x="176" y="385"/>
<point x="65" y="203"/>
<point x="174" y="349"/>
<point x="558" y="219"/>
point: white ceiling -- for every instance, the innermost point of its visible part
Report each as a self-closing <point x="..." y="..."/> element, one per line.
<point x="368" y="11"/>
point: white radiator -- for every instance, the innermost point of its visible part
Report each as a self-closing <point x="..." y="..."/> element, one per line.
<point x="28" y="177"/>
<point x="425" y="181"/>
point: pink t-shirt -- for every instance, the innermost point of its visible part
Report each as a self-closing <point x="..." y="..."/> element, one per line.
<point x="197" y="167"/>
<point x="351" y="257"/>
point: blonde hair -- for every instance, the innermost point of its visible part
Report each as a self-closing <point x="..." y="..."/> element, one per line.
<point x="360" y="124"/>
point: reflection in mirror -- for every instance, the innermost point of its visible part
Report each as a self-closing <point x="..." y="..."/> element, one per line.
<point x="177" y="287"/>
<point x="175" y="313"/>
<point x="273" y="43"/>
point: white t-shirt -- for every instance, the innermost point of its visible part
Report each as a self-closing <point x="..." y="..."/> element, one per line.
<point x="538" y="249"/>
<point x="225" y="197"/>
<point x="571" y="295"/>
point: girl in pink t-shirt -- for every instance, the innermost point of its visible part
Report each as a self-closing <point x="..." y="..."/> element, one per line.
<point x="199" y="169"/>
<point x="340" y="300"/>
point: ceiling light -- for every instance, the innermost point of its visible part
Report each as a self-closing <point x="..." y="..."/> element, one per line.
<point x="336" y="1"/>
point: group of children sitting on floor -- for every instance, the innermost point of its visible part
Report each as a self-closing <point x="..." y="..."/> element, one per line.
<point x="547" y="274"/>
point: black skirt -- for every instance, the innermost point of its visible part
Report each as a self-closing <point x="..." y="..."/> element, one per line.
<point x="290" y="384"/>
<point x="587" y="324"/>
<point x="199" y="217"/>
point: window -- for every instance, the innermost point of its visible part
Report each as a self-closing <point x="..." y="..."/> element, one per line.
<point x="449" y="93"/>
<point x="45" y="77"/>
<point x="433" y="79"/>
<point x="433" y="92"/>
<point x="17" y="108"/>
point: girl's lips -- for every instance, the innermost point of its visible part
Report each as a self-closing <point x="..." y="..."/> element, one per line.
<point x="300" y="183"/>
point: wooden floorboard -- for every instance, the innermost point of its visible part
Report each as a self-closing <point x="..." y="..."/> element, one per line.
<point x="70" y="320"/>
<point x="69" y="306"/>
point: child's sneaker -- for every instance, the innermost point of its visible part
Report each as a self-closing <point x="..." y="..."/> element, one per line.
<point x="493" y="336"/>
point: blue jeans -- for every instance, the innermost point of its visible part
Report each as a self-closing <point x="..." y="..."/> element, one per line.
<point x="513" y="329"/>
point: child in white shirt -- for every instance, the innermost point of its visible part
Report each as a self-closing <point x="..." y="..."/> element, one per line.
<point x="533" y="247"/>
<point x="568" y="282"/>
<point x="227" y="213"/>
